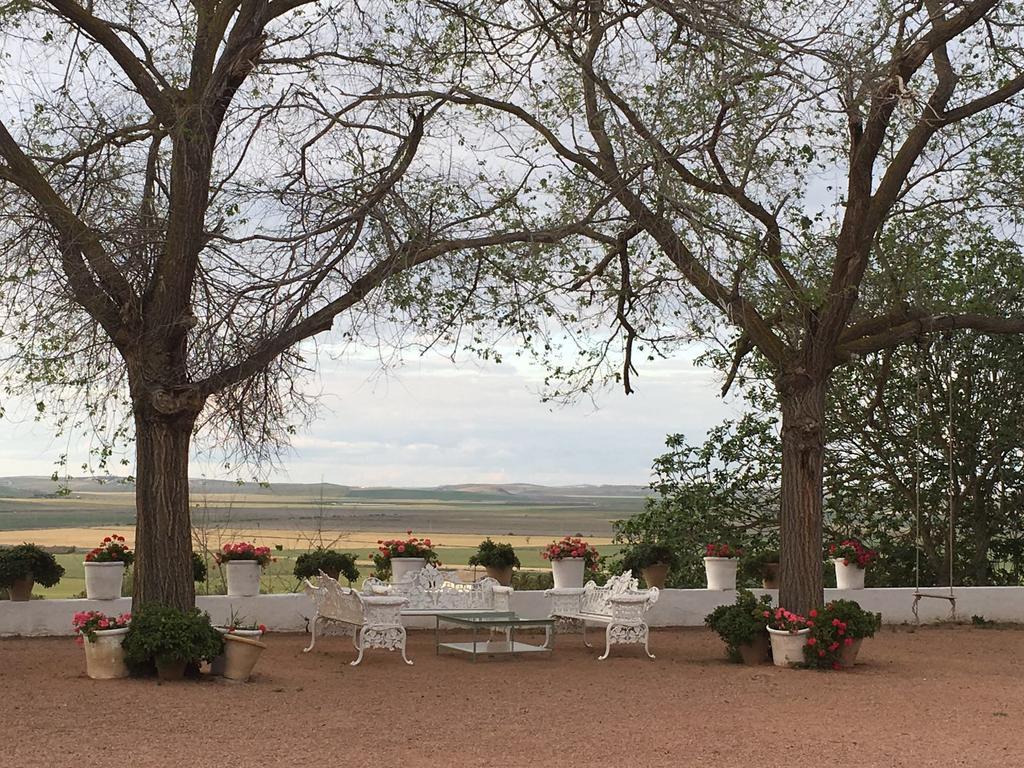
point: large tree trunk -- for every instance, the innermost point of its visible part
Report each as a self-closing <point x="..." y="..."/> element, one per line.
<point x="163" y="531"/>
<point x="800" y="521"/>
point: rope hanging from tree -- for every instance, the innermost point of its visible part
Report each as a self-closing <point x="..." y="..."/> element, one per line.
<point x="950" y="446"/>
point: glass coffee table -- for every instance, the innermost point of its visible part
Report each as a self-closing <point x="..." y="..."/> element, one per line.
<point x="505" y="622"/>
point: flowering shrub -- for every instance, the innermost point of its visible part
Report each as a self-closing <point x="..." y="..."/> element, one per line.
<point x="86" y="623"/>
<point x="787" y="621"/>
<point x="111" y="550"/>
<point x="840" y="623"/>
<point x="718" y="549"/>
<point x="572" y="546"/>
<point x="852" y="552"/>
<point x="243" y="550"/>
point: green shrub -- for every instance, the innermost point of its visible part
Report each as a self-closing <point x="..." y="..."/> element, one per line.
<point x="740" y="623"/>
<point x="493" y="555"/>
<point x="28" y="561"/>
<point x="199" y="569"/>
<point x="331" y="562"/>
<point x="532" y="580"/>
<point x="753" y="565"/>
<point x="644" y="555"/>
<point x="165" y="634"/>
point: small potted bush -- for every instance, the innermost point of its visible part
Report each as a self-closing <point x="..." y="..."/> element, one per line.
<point x="720" y="562"/>
<point x="742" y="627"/>
<point x="570" y="556"/>
<point x="335" y="564"/>
<point x="851" y="559"/>
<point x="837" y="633"/>
<point x="402" y="559"/>
<point x="243" y="563"/>
<point x="102" y="637"/>
<point x="25" y="565"/>
<point x="169" y="640"/>
<point x="788" y="633"/>
<point x="651" y="560"/>
<point x="497" y="559"/>
<point x="762" y="566"/>
<point x="105" y="566"/>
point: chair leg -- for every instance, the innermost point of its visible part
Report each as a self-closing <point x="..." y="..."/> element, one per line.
<point x="361" y="648"/>
<point x="405" y="658"/>
<point x="312" y="642"/>
<point x="607" y="643"/>
<point x="584" y="624"/>
<point x="647" y="637"/>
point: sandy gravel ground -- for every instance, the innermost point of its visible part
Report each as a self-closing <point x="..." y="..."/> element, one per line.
<point x="936" y="697"/>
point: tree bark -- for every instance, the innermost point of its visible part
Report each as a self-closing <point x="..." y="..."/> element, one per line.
<point x="163" y="530"/>
<point x="800" y="520"/>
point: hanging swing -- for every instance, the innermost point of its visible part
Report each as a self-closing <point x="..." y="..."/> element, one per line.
<point x="919" y="541"/>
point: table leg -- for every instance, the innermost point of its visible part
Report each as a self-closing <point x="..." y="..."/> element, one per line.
<point x="437" y="635"/>
<point x="474" y="643"/>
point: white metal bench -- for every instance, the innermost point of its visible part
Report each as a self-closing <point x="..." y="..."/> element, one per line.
<point x="619" y="605"/>
<point x="431" y="591"/>
<point x="376" y="620"/>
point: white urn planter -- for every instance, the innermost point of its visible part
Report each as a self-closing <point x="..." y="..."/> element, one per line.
<point x="568" y="572"/>
<point x="243" y="577"/>
<point x="848" y="576"/>
<point x="104" y="656"/>
<point x="405" y="568"/>
<point x="103" y="580"/>
<point x="721" y="572"/>
<point x="788" y="647"/>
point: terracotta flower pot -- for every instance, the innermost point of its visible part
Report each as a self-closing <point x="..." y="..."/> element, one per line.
<point x="173" y="669"/>
<point x="240" y="656"/>
<point x="848" y="654"/>
<point x="756" y="651"/>
<point x="21" y="590"/>
<point x="218" y="662"/>
<point x="502" y="575"/>
<point x="770" y="576"/>
<point x="655" y="575"/>
<point x="567" y="572"/>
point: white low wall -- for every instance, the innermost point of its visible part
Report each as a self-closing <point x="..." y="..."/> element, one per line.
<point x="675" y="608"/>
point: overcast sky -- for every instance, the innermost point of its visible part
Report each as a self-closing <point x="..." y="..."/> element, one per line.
<point x="433" y="422"/>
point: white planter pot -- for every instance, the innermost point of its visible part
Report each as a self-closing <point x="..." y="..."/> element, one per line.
<point x="405" y="568"/>
<point x="240" y="656"/>
<point x="568" y="572"/>
<point x="721" y="572"/>
<point x="848" y="576"/>
<point x="788" y="647"/>
<point x="103" y="580"/>
<point x="104" y="656"/>
<point x="243" y="577"/>
<point x="217" y="662"/>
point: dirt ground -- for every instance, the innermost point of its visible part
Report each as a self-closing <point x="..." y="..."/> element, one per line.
<point x="947" y="696"/>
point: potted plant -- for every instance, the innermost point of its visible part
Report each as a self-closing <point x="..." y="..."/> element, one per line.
<point x="402" y="559"/>
<point x="720" y="562"/>
<point x="243" y="562"/>
<point x="497" y="559"/>
<point x="742" y="627"/>
<point x="651" y="560"/>
<point x="837" y="634"/>
<point x="762" y="566"/>
<point x="851" y="559"/>
<point x="570" y="556"/>
<point x="105" y="566"/>
<point x="335" y="564"/>
<point x="102" y="638"/>
<point x="239" y="658"/>
<point x="199" y="569"/>
<point x="24" y="565"/>
<point x="788" y="632"/>
<point x="168" y="639"/>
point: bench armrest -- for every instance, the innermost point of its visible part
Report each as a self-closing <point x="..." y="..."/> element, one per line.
<point x="565" y="601"/>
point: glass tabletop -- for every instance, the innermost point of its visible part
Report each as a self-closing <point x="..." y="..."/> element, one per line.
<point x="494" y="619"/>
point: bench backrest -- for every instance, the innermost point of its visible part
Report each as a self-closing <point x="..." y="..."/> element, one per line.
<point x="598" y="600"/>
<point x="334" y="601"/>
<point x="433" y="589"/>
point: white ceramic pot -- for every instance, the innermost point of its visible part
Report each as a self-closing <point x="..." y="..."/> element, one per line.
<point x="243" y="577"/>
<point x="568" y="572"/>
<point x="104" y="656"/>
<point x="240" y="656"/>
<point x="788" y="647"/>
<point x="721" y="572"/>
<point x="848" y="576"/>
<point x="103" y="580"/>
<point x="217" y="664"/>
<point x="405" y="568"/>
